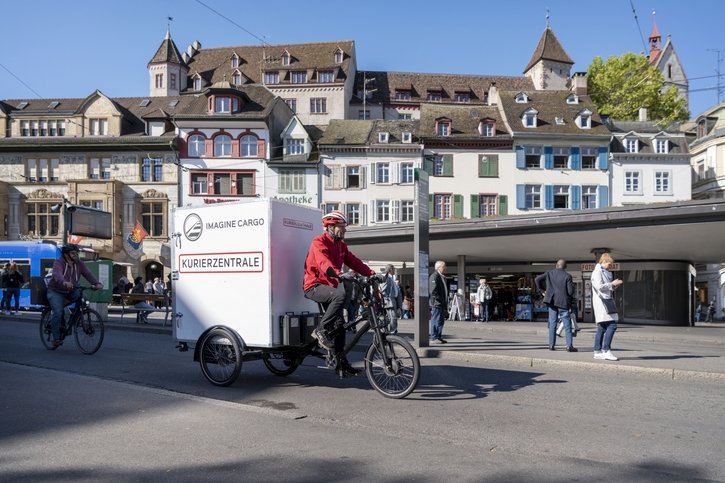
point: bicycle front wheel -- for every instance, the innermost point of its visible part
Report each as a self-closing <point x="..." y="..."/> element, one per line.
<point x="400" y="376"/>
<point x="46" y="334"/>
<point x="89" y="332"/>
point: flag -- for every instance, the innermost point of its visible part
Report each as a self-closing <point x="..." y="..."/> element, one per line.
<point x="137" y="235"/>
<point x="75" y="239"/>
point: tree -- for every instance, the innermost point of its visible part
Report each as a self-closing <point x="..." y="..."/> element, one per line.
<point x="623" y="84"/>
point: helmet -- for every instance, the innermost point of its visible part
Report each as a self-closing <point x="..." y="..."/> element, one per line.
<point x="334" y="218"/>
<point x="69" y="247"/>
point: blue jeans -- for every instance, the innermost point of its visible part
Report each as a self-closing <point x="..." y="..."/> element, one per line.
<point x="436" y="323"/>
<point x="483" y="312"/>
<point x="57" y="301"/>
<point x="556" y="313"/>
<point x="11" y="293"/>
<point x="603" y="337"/>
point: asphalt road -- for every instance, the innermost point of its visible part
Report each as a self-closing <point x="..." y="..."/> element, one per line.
<point x="138" y="410"/>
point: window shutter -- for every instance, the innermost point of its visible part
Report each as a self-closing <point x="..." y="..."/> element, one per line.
<point x="521" y="196"/>
<point x="343" y="176"/>
<point x="548" y="157"/>
<point x="363" y="177"/>
<point x="395" y="215"/>
<point x="431" y="208"/>
<point x="475" y="207"/>
<point x="549" y="196"/>
<point x="458" y="206"/>
<point x="373" y="173"/>
<point x="603" y="158"/>
<point x="373" y="213"/>
<point x="503" y="205"/>
<point x="603" y="196"/>
<point x="493" y="165"/>
<point x="323" y="207"/>
<point x="328" y="170"/>
<point x="447" y="165"/>
<point x="488" y="165"/>
<point x="260" y="149"/>
<point x="482" y="166"/>
<point x="394" y="172"/>
<point x="363" y="214"/>
<point x="575" y="158"/>
<point x="576" y="197"/>
<point x="520" y="157"/>
<point x="428" y="165"/>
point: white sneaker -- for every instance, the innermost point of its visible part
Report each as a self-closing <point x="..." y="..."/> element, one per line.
<point x="598" y="355"/>
<point x="608" y="356"/>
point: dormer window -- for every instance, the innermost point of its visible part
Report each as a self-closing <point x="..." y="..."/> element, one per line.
<point x="463" y="97"/>
<point x="701" y="128"/>
<point x="631" y="145"/>
<point x="271" y="77"/>
<point x="522" y="98"/>
<point x="443" y="127"/>
<point x="530" y="118"/>
<point x="559" y="121"/>
<point x="584" y="119"/>
<point x="225" y="105"/>
<point x="662" y="146"/>
<point x="196" y="82"/>
<point x="286" y="58"/>
<point x="407" y="137"/>
<point x="383" y="137"/>
<point x="572" y="99"/>
<point x="235" y="61"/>
<point x="435" y="96"/>
<point x="325" y="76"/>
<point x="402" y="95"/>
<point x="237" y="78"/>
<point x="339" y="56"/>
<point x="299" y="77"/>
<point x="487" y="128"/>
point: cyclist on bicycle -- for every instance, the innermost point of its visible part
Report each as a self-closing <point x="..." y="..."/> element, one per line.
<point x="63" y="285"/>
<point x="327" y="254"/>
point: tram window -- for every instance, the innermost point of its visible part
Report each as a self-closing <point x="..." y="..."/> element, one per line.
<point x="46" y="266"/>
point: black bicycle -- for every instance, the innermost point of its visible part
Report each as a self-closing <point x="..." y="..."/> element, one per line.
<point x="391" y="363"/>
<point x="83" y="321"/>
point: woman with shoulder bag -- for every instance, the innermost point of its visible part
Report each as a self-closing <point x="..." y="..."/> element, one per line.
<point x="605" y="311"/>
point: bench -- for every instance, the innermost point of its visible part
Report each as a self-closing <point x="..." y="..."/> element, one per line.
<point x="129" y="300"/>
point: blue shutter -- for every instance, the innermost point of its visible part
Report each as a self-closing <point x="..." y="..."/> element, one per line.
<point x="603" y="196"/>
<point x="576" y="162"/>
<point x="549" y="196"/>
<point x="521" y="196"/>
<point x="576" y="197"/>
<point x="548" y="157"/>
<point x="603" y="158"/>
<point x="520" y="157"/>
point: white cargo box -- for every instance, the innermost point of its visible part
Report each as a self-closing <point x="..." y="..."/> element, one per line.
<point x="240" y="265"/>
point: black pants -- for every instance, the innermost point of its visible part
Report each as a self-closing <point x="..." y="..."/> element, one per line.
<point x="335" y="299"/>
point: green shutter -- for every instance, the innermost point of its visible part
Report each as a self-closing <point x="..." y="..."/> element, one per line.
<point x="428" y="165"/>
<point x="503" y="205"/>
<point x="447" y="165"/>
<point x="457" y="206"/>
<point x="488" y="165"/>
<point x="475" y="207"/>
<point x="431" y="212"/>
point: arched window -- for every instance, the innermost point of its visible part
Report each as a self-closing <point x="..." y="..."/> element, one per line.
<point x="248" y="146"/>
<point x="196" y="145"/>
<point x="222" y="146"/>
<point x="237" y="78"/>
<point x="197" y="82"/>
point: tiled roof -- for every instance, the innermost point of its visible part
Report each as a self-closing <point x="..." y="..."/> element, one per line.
<point x="419" y="84"/>
<point x="167" y="52"/>
<point x="550" y="105"/>
<point x="395" y="130"/>
<point x="549" y="48"/>
<point x="465" y="120"/>
<point x="214" y="64"/>
<point x="645" y="132"/>
<point x="346" y="132"/>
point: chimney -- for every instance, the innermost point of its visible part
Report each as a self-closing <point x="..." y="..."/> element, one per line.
<point x="642" y="114"/>
<point x="579" y="83"/>
<point x="492" y="94"/>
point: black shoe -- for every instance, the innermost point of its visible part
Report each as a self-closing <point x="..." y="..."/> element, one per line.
<point x="572" y="349"/>
<point x="443" y="341"/>
<point x="551" y="348"/>
<point x="348" y="368"/>
<point x="322" y="339"/>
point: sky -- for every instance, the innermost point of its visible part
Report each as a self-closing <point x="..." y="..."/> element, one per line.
<point x="69" y="49"/>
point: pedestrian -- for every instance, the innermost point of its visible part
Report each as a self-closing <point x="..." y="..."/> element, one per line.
<point x="698" y="312"/>
<point x="558" y="289"/>
<point x="4" y="292"/>
<point x="605" y="310"/>
<point x="149" y="287"/>
<point x="484" y="294"/>
<point x="407" y="313"/>
<point x="159" y="289"/>
<point x="391" y="295"/>
<point x="146" y="308"/>
<point x="12" y="281"/>
<point x="710" y="312"/>
<point x="438" y="302"/>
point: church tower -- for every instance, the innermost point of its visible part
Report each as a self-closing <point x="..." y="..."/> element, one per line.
<point x="665" y="60"/>
<point x="167" y="70"/>
<point x="550" y="66"/>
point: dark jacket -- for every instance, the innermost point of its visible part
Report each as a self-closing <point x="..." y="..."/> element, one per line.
<point x="63" y="271"/>
<point x="13" y="280"/>
<point x="558" y="286"/>
<point x="438" y="291"/>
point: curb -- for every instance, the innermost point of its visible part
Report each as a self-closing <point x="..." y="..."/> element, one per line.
<point x="533" y="362"/>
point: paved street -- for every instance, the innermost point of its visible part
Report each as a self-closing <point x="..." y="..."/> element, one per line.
<point x="138" y="410"/>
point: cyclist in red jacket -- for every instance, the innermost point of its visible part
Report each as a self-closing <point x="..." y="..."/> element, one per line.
<point x="323" y="266"/>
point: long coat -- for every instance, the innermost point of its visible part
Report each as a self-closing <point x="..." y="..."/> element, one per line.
<point x="601" y="288"/>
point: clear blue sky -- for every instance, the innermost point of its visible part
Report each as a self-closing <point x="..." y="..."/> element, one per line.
<point x="69" y="49"/>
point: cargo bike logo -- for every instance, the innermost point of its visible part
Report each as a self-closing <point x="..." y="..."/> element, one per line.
<point x="193" y="227"/>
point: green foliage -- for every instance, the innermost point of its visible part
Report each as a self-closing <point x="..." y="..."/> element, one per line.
<point x="623" y="84"/>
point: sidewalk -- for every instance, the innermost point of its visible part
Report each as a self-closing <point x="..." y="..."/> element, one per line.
<point x="682" y="353"/>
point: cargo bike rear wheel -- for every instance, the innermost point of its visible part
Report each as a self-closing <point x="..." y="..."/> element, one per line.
<point x="220" y="356"/>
